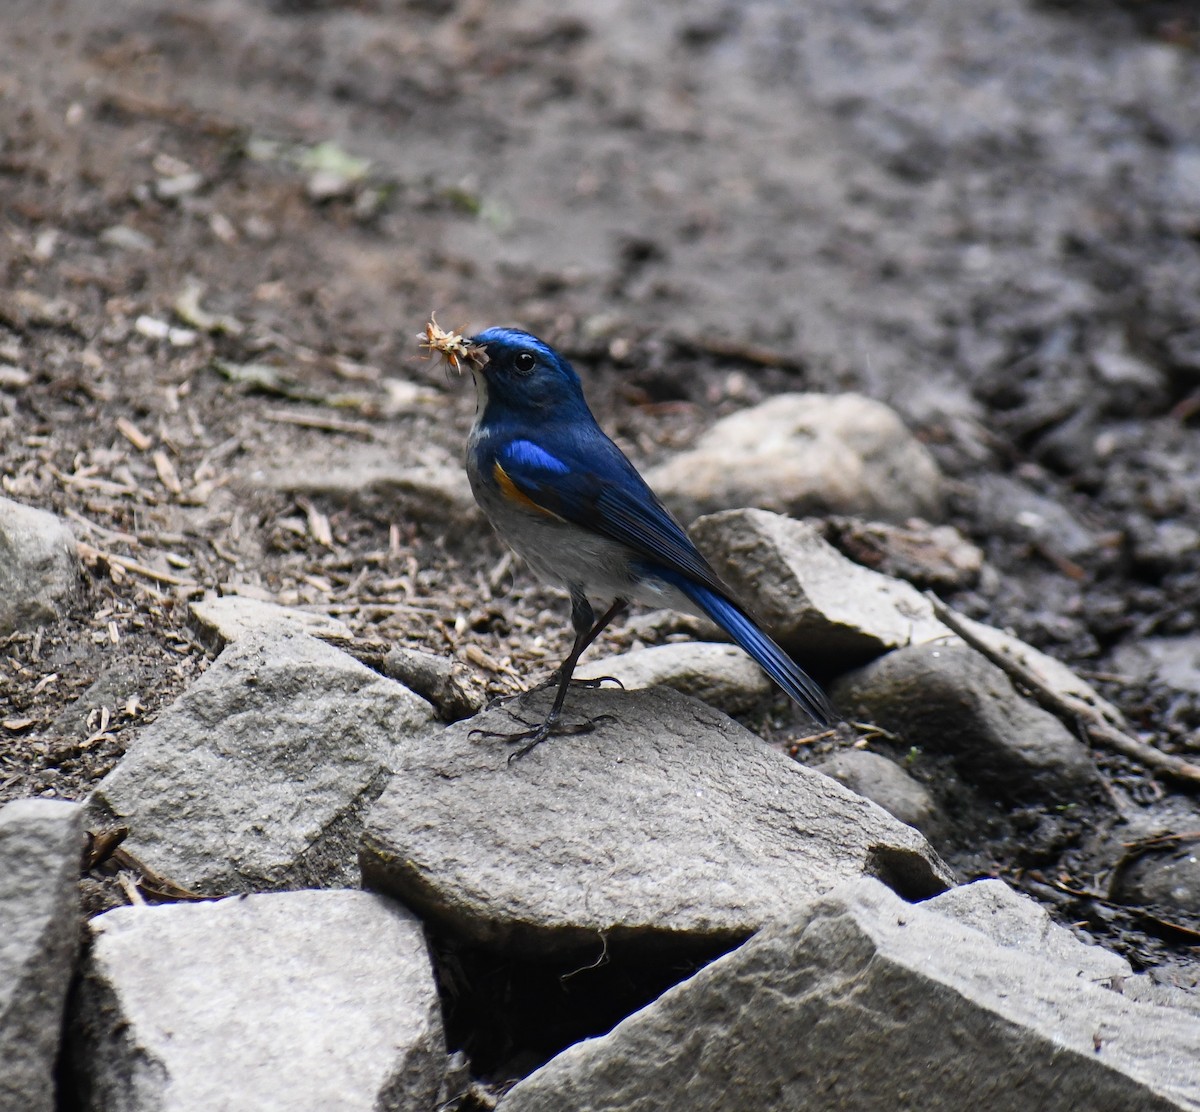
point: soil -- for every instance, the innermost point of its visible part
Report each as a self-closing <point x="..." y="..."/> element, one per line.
<point x="223" y="224"/>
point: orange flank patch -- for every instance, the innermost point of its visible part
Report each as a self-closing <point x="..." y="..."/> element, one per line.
<point x="509" y="489"/>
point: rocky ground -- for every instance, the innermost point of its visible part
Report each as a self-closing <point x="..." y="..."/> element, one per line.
<point x="973" y="232"/>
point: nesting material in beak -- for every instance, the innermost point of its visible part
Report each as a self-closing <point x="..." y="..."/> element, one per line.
<point x="452" y="346"/>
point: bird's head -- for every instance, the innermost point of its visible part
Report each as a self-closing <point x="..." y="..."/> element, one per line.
<point x="523" y="375"/>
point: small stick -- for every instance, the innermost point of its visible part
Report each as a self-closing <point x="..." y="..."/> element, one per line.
<point x="322" y="424"/>
<point x="1070" y="710"/>
<point x="89" y="554"/>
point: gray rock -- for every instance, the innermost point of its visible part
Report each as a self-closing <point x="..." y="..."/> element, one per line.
<point x="1148" y="988"/>
<point x="864" y="1002"/>
<point x="1165" y="880"/>
<point x="41" y="845"/>
<point x="1174" y="661"/>
<point x="669" y="825"/>
<point x="930" y="556"/>
<point x="950" y="699"/>
<point x="288" y="1001"/>
<point x="259" y="774"/>
<point x="816" y="603"/>
<point x="1009" y="508"/>
<point x="806" y="454"/>
<point x="219" y="621"/>
<point x="1016" y="922"/>
<point x="884" y="782"/>
<point x="1051" y="673"/>
<point x="39" y="567"/>
<point x="720" y="675"/>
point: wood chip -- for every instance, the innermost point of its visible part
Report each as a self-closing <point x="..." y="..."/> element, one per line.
<point x="167" y="475"/>
<point x="133" y="434"/>
<point x="318" y="525"/>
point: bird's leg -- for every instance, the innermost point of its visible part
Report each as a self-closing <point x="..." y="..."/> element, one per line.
<point x="577" y="650"/>
<point x="586" y="631"/>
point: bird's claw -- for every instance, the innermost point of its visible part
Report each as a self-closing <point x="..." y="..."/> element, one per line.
<point x="535" y="735"/>
<point x="598" y="681"/>
<point x="552" y="681"/>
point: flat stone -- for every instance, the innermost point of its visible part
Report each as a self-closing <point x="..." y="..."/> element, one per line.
<point x="282" y="1002"/>
<point x="39" y="567"/>
<point x="41" y="846"/>
<point x="815" y="602"/>
<point x="720" y="675"/>
<point x="258" y="776"/>
<point x="221" y="620"/>
<point x="805" y="454"/>
<point x="1016" y="922"/>
<point x="668" y="826"/>
<point x="950" y="699"/>
<point x="863" y="1001"/>
<point x="884" y="782"/>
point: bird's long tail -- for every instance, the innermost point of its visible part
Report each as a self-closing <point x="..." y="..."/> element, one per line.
<point x="771" y="658"/>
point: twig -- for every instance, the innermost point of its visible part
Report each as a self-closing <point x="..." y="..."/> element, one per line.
<point x="321" y="423"/>
<point x="1069" y="709"/>
<point x="101" y="530"/>
<point x="89" y="555"/>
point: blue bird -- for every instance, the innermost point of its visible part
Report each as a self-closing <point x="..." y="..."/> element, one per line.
<point x="566" y="498"/>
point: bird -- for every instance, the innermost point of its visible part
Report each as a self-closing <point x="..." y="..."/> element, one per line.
<point x="567" y="500"/>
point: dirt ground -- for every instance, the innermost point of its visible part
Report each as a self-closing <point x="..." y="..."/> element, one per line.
<point x="223" y="223"/>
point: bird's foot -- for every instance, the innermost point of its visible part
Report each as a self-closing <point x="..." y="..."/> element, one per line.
<point x="533" y="736"/>
<point x="553" y="681"/>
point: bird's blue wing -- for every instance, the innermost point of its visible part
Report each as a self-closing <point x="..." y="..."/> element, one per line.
<point x="592" y="484"/>
<point x="602" y="491"/>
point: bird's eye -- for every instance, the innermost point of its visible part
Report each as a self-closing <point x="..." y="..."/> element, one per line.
<point x="524" y="362"/>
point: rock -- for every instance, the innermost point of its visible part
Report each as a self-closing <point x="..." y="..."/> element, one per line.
<point x="937" y="557"/>
<point x="950" y="699"/>
<point x="883" y="782"/>
<point x="720" y="675"/>
<point x="1147" y="988"/>
<point x="219" y="621"/>
<point x="863" y="1001"/>
<point x="297" y="1000"/>
<point x="1053" y="674"/>
<point x="1164" y="879"/>
<point x="825" y="609"/>
<point x="41" y="846"/>
<point x="259" y="774"/>
<point x="39" y="567"/>
<point x="1016" y="922"/>
<point x="444" y="682"/>
<point x="806" y="454"/>
<point x="1174" y="661"/>
<point x="668" y="826"/>
<point x="1008" y="508"/>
